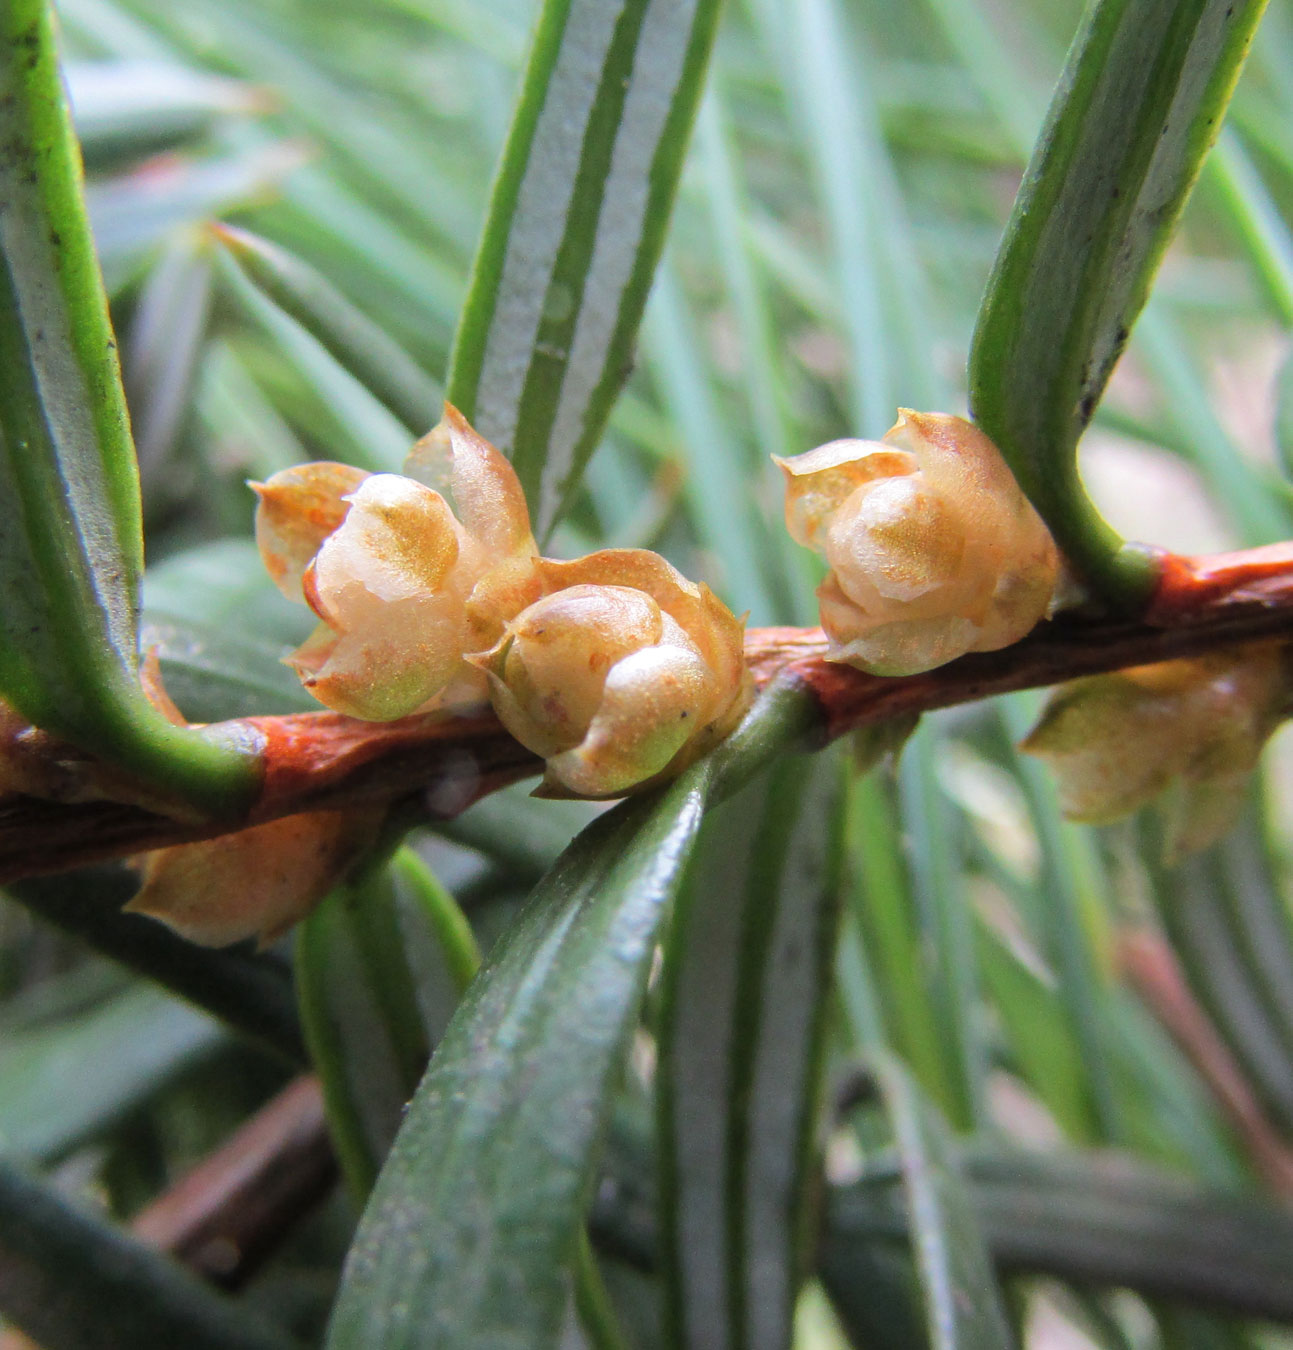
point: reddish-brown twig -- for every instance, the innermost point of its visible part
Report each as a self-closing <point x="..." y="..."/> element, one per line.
<point x="316" y="760"/>
<point x="1152" y="968"/>
<point x="231" y="1211"/>
<point x="223" y="1217"/>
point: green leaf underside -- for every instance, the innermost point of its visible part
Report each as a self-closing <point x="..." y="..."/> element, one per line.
<point x="475" y="1215"/>
<point x="221" y="630"/>
<point x="73" y="1280"/>
<point x="71" y="549"/>
<point x="250" y="992"/>
<point x="962" y="1306"/>
<point x="746" y="974"/>
<point x="379" y="967"/>
<point x="367" y="433"/>
<point x="213" y="675"/>
<point x="1097" y="1220"/>
<point x="65" y="416"/>
<point x="575" y="228"/>
<point x="474" y="1221"/>
<point x="97" y="1068"/>
<point x="360" y="345"/>
<point x="1138" y="106"/>
<point x="140" y="105"/>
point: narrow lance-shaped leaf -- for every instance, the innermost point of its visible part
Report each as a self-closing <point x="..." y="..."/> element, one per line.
<point x="1038" y="1034"/>
<point x="133" y="107"/>
<point x="575" y="227"/>
<point x="356" y="421"/>
<point x="474" y="1223"/>
<point x="99" y="1066"/>
<point x="1071" y="887"/>
<point x="962" y="1307"/>
<point x="888" y="916"/>
<point x="1259" y="917"/>
<point x="718" y="481"/>
<point x="365" y="349"/>
<point x="944" y="925"/>
<point x="133" y="212"/>
<point x="380" y="966"/>
<point x="251" y="992"/>
<point x="163" y="348"/>
<point x="71" y="548"/>
<point x="746" y="976"/>
<point x="1095" y="1220"/>
<point x="1139" y="104"/>
<point x="1197" y="907"/>
<point x="476" y="1214"/>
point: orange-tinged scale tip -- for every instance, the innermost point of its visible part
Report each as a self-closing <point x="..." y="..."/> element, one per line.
<point x="296" y="510"/>
<point x="150" y="679"/>
<point x="478" y="482"/>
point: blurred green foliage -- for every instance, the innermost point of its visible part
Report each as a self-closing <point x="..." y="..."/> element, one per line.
<point x="844" y="195"/>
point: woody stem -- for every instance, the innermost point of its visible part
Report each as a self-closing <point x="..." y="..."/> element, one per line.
<point x="314" y="761"/>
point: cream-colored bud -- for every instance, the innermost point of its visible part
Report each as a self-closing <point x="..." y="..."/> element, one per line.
<point x="934" y="551"/>
<point x="256" y="882"/>
<point x="406" y="572"/>
<point x="390" y="586"/>
<point x="1187" y="733"/>
<point x="621" y="676"/>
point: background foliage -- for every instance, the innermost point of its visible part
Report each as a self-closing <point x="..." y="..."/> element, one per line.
<point x="928" y="979"/>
